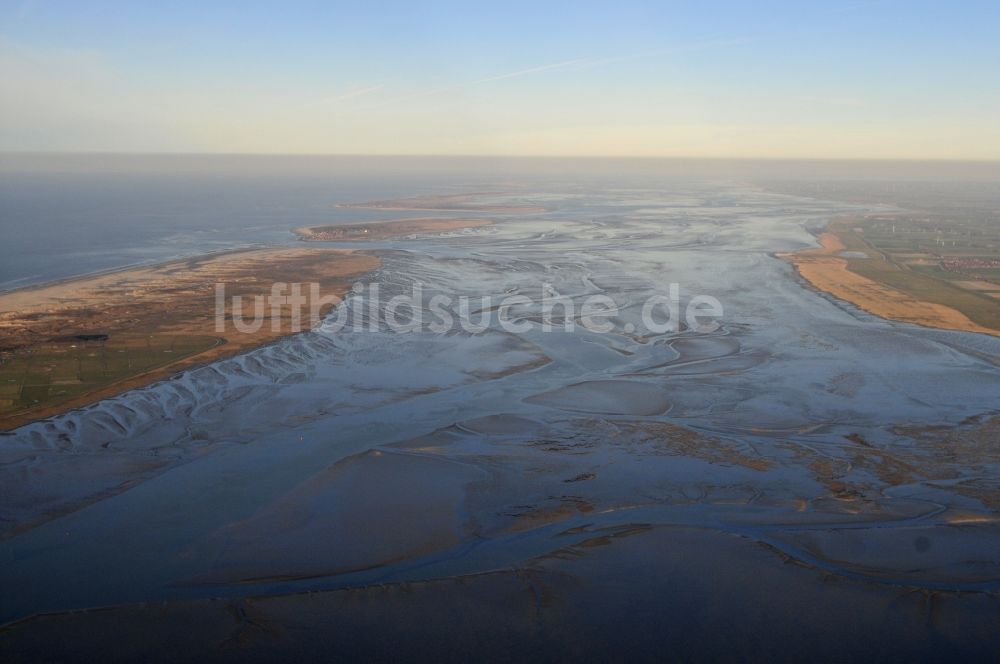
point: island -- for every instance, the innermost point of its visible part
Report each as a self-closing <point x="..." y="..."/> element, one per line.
<point x="386" y="229"/>
<point x="67" y="344"/>
<point x="478" y="202"/>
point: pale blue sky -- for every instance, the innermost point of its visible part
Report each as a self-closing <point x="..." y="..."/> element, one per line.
<point x="732" y="79"/>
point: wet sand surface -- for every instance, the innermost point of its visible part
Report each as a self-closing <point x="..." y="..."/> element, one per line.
<point x="805" y="481"/>
<point x="579" y="602"/>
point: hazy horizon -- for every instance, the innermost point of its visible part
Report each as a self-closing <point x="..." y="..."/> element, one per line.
<point x="14" y="162"/>
<point x="470" y="155"/>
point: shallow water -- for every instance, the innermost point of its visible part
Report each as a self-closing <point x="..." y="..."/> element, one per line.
<point x="800" y="426"/>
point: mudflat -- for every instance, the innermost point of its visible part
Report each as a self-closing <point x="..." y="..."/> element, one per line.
<point x="803" y="481"/>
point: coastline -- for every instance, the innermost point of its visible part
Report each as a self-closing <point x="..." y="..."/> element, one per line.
<point x="75" y="341"/>
<point x="827" y="270"/>
<point x="165" y="302"/>
<point x="131" y="266"/>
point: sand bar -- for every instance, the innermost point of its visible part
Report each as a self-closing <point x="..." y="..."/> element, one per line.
<point x="478" y="202"/>
<point x="386" y="229"/>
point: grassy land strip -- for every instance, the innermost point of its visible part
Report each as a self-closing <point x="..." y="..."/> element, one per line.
<point x="71" y="343"/>
<point x="850" y="268"/>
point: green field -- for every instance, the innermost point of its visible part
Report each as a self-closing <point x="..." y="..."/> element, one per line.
<point x="907" y="255"/>
<point x="54" y="372"/>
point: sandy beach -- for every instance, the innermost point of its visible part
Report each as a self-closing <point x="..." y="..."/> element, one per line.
<point x="826" y="269"/>
<point x="167" y="309"/>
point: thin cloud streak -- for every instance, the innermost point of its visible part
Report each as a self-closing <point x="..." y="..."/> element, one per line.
<point x="358" y="92"/>
<point x="535" y="70"/>
<point x="583" y="63"/>
<point x="496" y="77"/>
<point x="353" y="93"/>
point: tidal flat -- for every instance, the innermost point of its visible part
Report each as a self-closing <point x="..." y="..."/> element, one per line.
<point x="802" y="480"/>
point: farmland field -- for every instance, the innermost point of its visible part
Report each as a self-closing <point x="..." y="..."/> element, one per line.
<point x="60" y="370"/>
